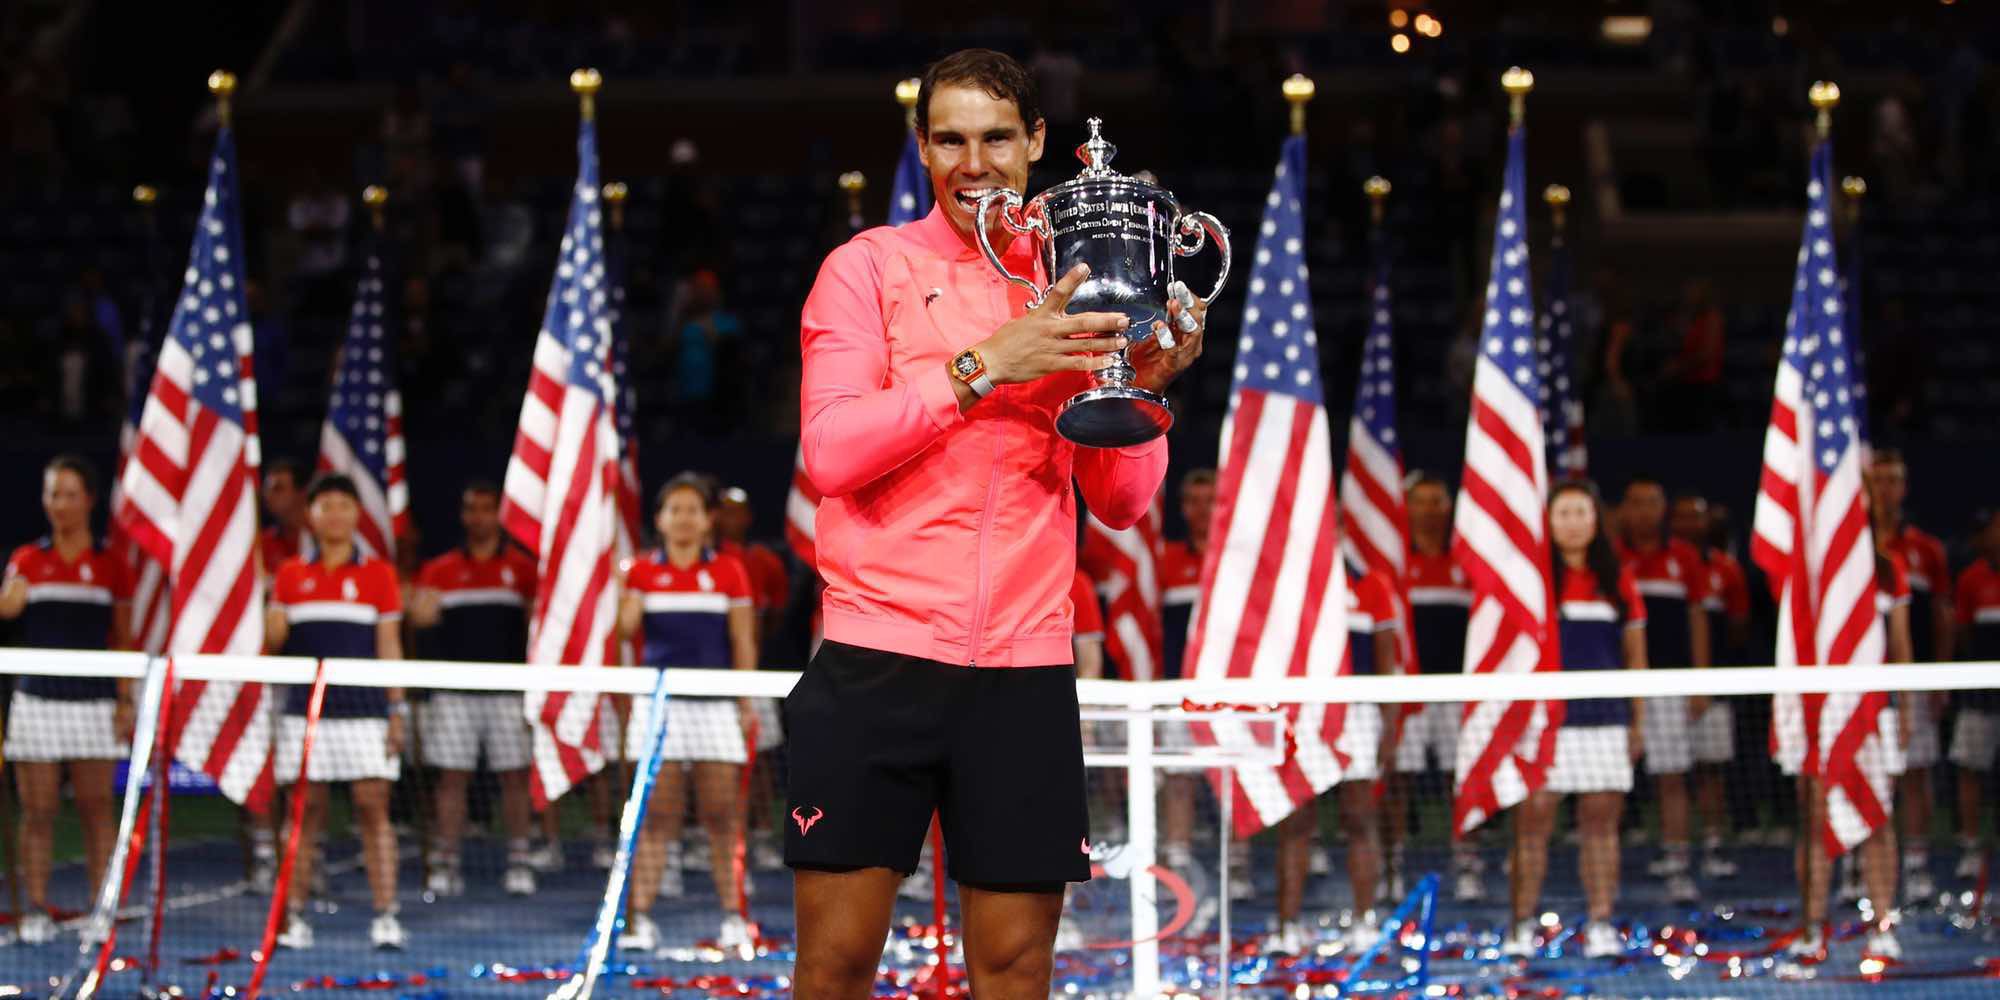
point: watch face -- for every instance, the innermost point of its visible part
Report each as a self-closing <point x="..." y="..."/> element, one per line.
<point x="966" y="364"/>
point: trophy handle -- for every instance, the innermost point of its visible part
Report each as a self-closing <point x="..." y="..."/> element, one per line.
<point x="1010" y="206"/>
<point x="1202" y="226"/>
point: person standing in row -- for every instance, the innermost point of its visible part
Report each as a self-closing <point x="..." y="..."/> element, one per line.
<point x="694" y="608"/>
<point x="1602" y="624"/>
<point x="341" y="603"/>
<point x="67" y="592"/>
<point x="472" y="603"/>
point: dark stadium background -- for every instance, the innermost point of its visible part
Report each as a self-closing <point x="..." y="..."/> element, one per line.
<point x="1697" y="131"/>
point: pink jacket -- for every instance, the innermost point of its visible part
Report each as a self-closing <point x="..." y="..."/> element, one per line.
<point x="943" y="535"/>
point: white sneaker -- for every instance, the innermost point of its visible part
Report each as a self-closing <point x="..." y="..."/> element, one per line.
<point x="1969" y="863"/>
<point x="1601" y="940"/>
<point x="641" y="935"/>
<point x="766" y="855"/>
<point x="37" y="928"/>
<point x="1810" y="944"/>
<point x="1670" y="863"/>
<point x="1681" y="890"/>
<point x="519" y="880"/>
<point x="672" y="884"/>
<point x="1394" y="886"/>
<point x="694" y="847"/>
<point x="445" y="881"/>
<point x="603" y="855"/>
<point x="1468" y="887"/>
<point x="1850" y="888"/>
<point x="547" y="859"/>
<point x="1363" y="934"/>
<point x="1290" y="939"/>
<point x="1068" y="936"/>
<point x="1241" y="888"/>
<point x="918" y="885"/>
<point x="1520" y="940"/>
<point x="386" y="932"/>
<point x="1318" y="861"/>
<point x="1918" y="885"/>
<point x="736" y="935"/>
<point x="1882" y="944"/>
<point x="1717" y="866"/>
<point x="297" y="935"/>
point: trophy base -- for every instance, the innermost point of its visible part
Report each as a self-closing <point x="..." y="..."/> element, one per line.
<point x="1114" y="416"/>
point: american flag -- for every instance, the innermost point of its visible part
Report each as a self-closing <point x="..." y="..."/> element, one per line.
<point x="1813" y="540"/>
<point x="1850" y="302"/>
<point x="363" y="434"/>
<point x="1562" y="400"/>
<point x="1499" y="532"/>
<point x="1371" y="489"/>
<point x="1125" y="566"/>
<point x="1273" y="593"/>
<point x="909" y="200"/>
<point x="562" y="486"/>
<point x="190" y="495"/>
<point x="152" y="605"/>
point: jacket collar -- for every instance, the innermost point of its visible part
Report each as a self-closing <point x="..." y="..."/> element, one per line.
<point x="935" y="233"/>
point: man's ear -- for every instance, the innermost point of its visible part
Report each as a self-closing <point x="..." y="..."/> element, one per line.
<point x="1037" y="137"/>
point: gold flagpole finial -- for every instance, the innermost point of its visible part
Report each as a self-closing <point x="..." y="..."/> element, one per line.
<point x="1825" y="96"/>
<point x="376" y="197"/>
<point x="145" y="195"/>
<point x="222" y="83"/>
<point x="906" y="95"/>
<point x="615" y="194"/>
<point x="1377" y="189"/>
<point x="852" y="183"/>
<point x="1298" y="89"/>
<point x="586" y="82"/>
<point x="1557" y="197"/>
<point x="1855" y="189"/>
<point x="1517" y="82"/>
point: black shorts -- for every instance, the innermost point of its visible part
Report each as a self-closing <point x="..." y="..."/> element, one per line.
<point x="878" y="741"/>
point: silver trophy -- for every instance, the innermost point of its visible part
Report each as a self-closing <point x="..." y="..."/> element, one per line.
<point x="1129" y="231"/>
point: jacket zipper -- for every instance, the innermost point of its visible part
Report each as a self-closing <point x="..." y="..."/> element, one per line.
<point x="980" y="597"/>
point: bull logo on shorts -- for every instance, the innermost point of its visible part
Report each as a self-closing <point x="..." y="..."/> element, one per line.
<point x="806" y="822"/>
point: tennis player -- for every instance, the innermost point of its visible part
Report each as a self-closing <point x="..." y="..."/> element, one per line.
<point x="946" y="541"/>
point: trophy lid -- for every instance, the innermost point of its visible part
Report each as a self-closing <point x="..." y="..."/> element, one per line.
<point x="1096" y="153"/>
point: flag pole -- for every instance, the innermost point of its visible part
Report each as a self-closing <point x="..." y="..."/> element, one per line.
<point x="1855" y="188"/>
<point x="853" y="185"/>
<point x="222" y="83"/>
<point x="1825" y="96"/>
<point x="1557" y="197"/>
<point x="1377" y="189"/>
<point x="907" y="91"/>
<point x="615" y="194"/>
<point x="1298" y="90"/>
<point x="586" y="82"/>
<point x="376" y="197"/>
<point x="1518" y="83"/>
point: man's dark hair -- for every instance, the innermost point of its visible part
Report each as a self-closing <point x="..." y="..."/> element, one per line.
<point x="997" y="73"/>
<point x="73" y="462"/>
<point x="1888" y="456"/>
<point x="1198" y="477"/>
<point x="701" y="483"/>
<point x="332" y="482"/>
<point x="1642" y="479"/>
<point x="1427" y="479"/>
<point x="482" y="487"/>
<point x="287" y="467"/>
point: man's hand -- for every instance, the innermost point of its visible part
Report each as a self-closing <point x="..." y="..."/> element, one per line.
<point x="1045" y="341"/>
<point x="396" y="724"/>
<point x="1157" y="365"/>
<point x="124" y="718"/>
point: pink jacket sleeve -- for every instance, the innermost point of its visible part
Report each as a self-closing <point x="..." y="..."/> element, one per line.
<point x="1119" y="483"/>
<point x="858" y="419"/>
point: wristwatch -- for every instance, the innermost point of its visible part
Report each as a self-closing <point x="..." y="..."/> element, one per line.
<point x="968" y="367"/>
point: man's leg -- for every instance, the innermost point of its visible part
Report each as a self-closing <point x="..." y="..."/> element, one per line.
<point x="1010" y="940"/>
<point x="843" y="920"/>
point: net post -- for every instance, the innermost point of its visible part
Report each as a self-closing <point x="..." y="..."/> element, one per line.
<point x="1139" y="820"/>
<point x="1227" y="798"/>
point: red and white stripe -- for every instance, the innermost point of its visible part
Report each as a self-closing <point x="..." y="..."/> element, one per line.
<point x="190" y="494"/>
<point x="1125" y="566"/>
<point x="152" y="604"/>
<point x="1378" y="524"/>
<point x="562" y="504"/>
<point x="1274" y="594"/>
<point x="385" y="507"/>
